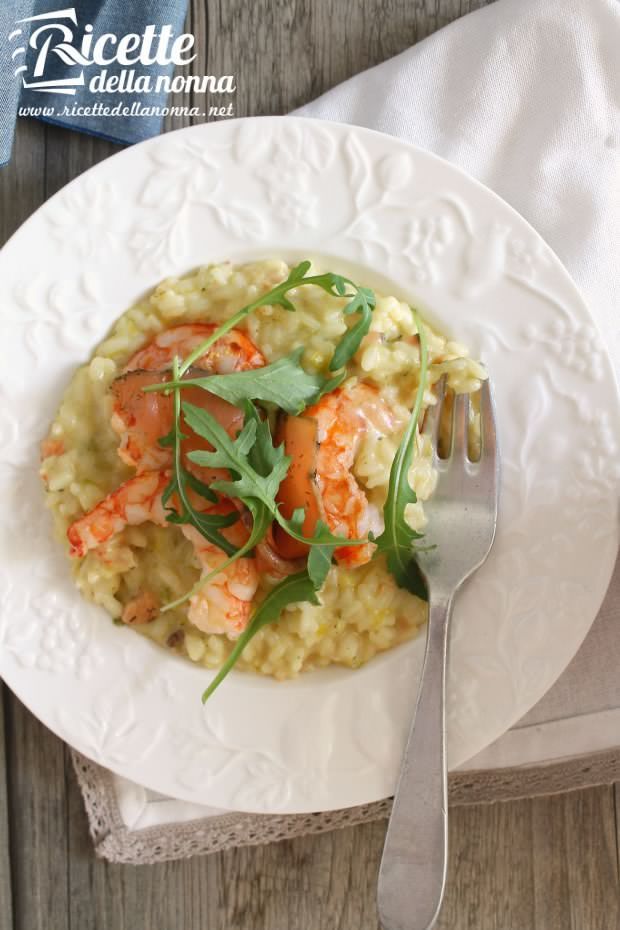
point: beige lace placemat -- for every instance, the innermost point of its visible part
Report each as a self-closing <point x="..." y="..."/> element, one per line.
<point x="115" y="842"/>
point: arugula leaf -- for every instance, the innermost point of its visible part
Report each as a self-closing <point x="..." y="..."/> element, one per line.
<point x="319" y="558"/>
<point x="241" y="456"/>
<point x="263" y="457"/>
<point x="260" y="458"/>
<point x="275" y="297"/>
<point x="322" y="535"/>
<point x="262" y="522"/>
<point x="284" y="383"/>
<point x="322" y="544"/>
<point x="198" y="486"/>
<point x="206" y="524"/>
<point x="261" y="515"/>
<point x="362" y="302"/>
<point x="396" y="540"/>
<point x="246" y="483"/>
<point x="291" y="590"/>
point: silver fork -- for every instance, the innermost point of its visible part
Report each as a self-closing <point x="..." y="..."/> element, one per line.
<point x="462" y="515"/>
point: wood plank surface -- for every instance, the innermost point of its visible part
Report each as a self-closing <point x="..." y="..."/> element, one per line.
<point x="6" y="894"/>
<point x="537" y="864"/>
<point x="37" y="822"/>
<point x="22" y="189"/>
<point x="544" y="864"/>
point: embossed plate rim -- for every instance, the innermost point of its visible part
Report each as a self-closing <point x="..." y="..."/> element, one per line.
<point x="320" y="751"/>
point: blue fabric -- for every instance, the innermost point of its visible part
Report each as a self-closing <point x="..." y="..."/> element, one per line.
<point x="119" y="17"/>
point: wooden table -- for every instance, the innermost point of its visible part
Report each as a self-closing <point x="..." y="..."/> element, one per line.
<point x="549" y="864"/>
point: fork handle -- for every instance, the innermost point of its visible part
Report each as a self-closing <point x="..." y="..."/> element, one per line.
<point x="412" y="875"/>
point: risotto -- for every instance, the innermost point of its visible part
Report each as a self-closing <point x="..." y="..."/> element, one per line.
<point x="136" y="569"/>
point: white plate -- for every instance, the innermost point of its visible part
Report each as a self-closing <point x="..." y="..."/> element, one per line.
<point x="294" y="187"/>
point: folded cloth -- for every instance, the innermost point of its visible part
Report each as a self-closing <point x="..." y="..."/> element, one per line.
<point x="524" y="95"/>
<point x="45" y="67"/>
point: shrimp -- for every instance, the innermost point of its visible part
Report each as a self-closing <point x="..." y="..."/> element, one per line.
<point x="141" y="609"/>
<point x="323" y="451"/>
<point x="51" y="447"/>
<point x="233" y="351"/>
<point x="140" y="419"/>
<point x="224" y="604"/>
<point x="136" y="501"/>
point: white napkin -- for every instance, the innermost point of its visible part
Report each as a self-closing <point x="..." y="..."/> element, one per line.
<point x="525" y="96"/>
